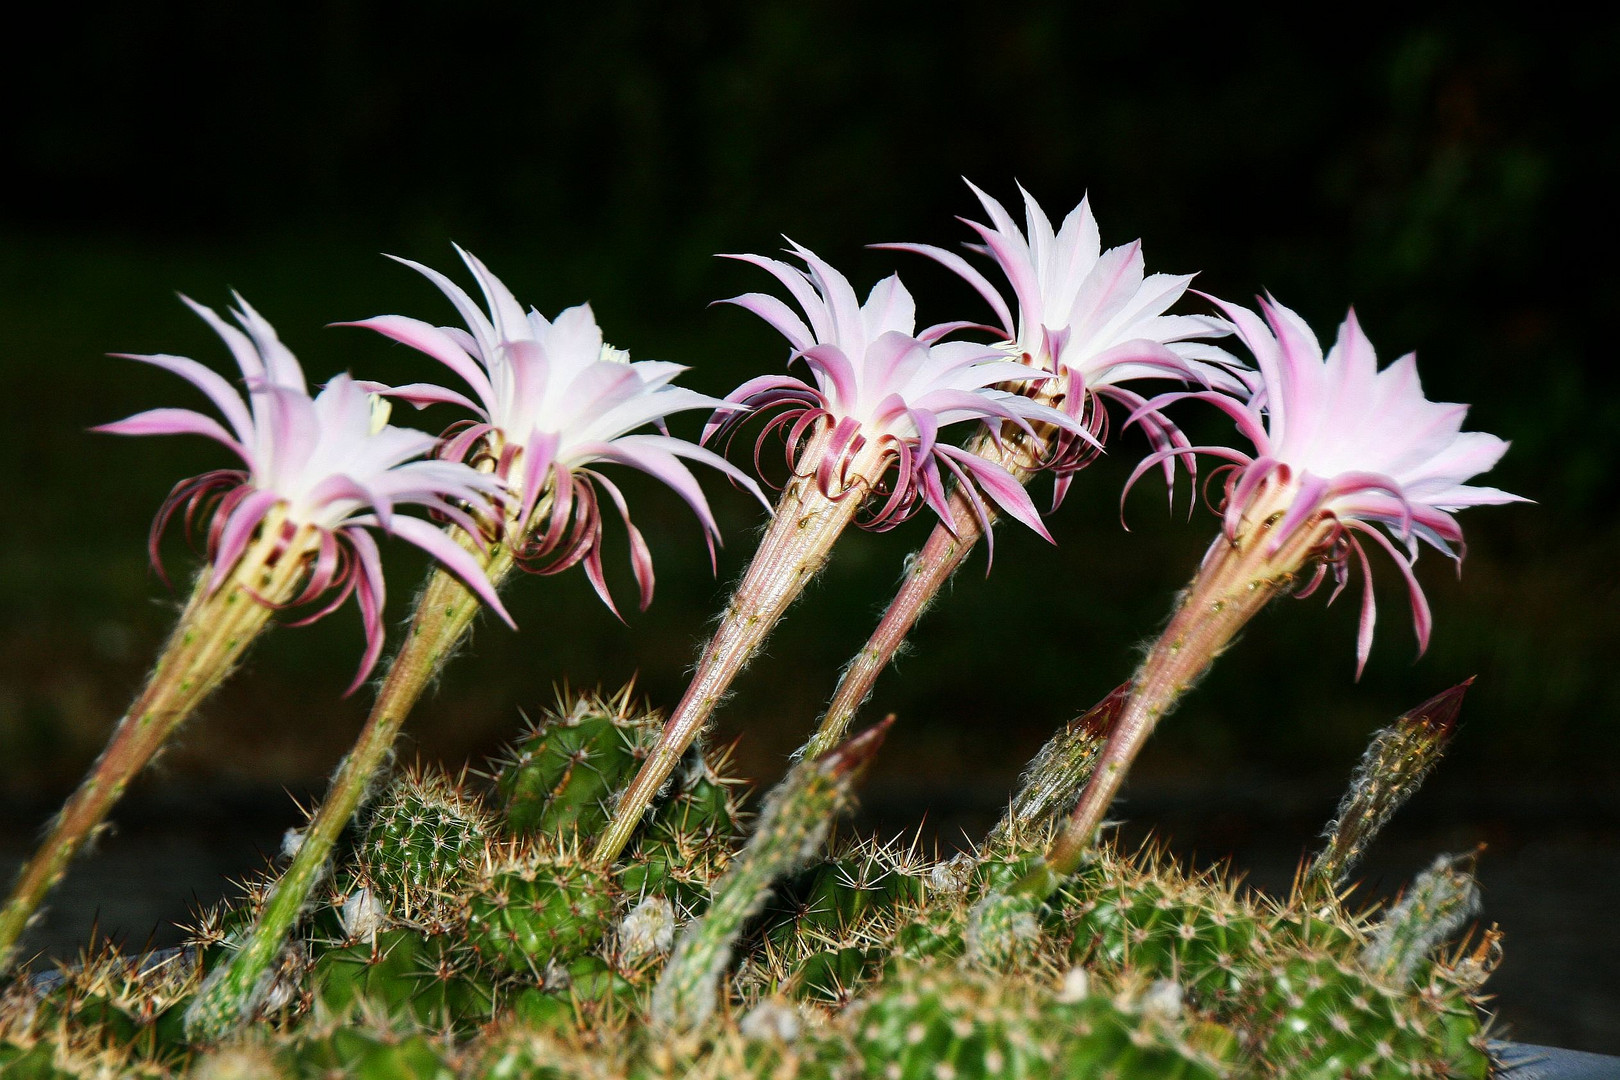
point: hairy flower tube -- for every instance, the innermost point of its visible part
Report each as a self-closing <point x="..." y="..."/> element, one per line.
<point x="862" y="433"/>
<point x="550" y="403"/>
<point x="290" y="530"/>
<point x="1094" y="320"/>
<point x="1344" y="453"/>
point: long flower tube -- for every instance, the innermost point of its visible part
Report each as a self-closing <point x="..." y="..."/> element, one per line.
<point x="552" y="401"/>
<point x="284" y="533"/>
<point x="1343" y="450"/>
<point x="1091" y="319"/>
<point x="881" y="394"/>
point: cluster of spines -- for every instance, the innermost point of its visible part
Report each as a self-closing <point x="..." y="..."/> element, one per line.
<point x="455" y="941"/>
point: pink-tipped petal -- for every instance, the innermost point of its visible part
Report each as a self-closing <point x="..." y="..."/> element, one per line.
<point x="455" y="559"/>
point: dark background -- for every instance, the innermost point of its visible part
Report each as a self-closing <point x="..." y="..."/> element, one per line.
<point x="1448" y="171"/>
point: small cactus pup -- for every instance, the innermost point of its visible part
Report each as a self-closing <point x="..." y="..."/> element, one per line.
<point x="537" y="904"/>
<point x="561" y="775"/>
<point x="881" y="393"/>
<point x="553" y="402"/>
<point x="790" y="831"/>
<point x="1092" y="322"/>
<point x="1341" y="449"/>
<point x="1391" y="770"/>
<point x="284" y="532"/>
<point x="424" y="839"/>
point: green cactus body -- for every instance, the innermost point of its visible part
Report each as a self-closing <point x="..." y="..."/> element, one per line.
<point x="561" y="777"/>
<point x="533" y="907"/>
<point x="403" y="973"/>
<point x="1095" y="1036"/>
<point x="1328" y="1018"/>
<point x="352" y="1052"/>
<point x="751" y="1052"/>
<point x="941" y="1023"/>
<point x="521" y="1052"/>
<point x="106" y="1006"/>
<point x="688" y="843"/>
<point x="934" y="932"/>
<point x="1003" y="931"/>
<point x="588" y="995"/>
<point x="421" y="845"/>
<point x="832" y="928"/>
<point x="1160" y="928"/>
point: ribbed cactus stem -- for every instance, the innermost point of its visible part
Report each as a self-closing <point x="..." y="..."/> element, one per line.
<point x="1059" y="771"/>
<point x="805" y="525"/>
<point x="213" y="633"/>
<point x="444" y="612"/>
<point x="1439" y="901"/>
<point x="791" y="829"/>
<point x="1390" y="772"/>
<point x="1239" y="576"/>
<point x="927" y="571"/>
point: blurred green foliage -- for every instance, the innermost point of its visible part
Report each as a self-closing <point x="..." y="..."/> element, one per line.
<point x="1439" y="170"/>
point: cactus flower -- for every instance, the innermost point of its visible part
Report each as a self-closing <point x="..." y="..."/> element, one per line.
<point x="1093" y="320"/>
<point x="292" y="529"/>
<point x="550" y="403"/>
<point x="862" y="433"/>
<point x="1344" y="453"/>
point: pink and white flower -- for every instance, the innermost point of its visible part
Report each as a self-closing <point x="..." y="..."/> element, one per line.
<point x="878" y="387"/>
<point x="1343" y="452"/>
<point x="1342" y="447"/>
<point x="330" y="463"/>
<point x="1094" y="319"/>
<point x="551" y="400"/>
<point x="878" y="394"/>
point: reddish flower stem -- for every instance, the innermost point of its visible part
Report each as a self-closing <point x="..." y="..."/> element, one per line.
<point x="803" y="529"/>
<point x="213" y="633"/>
<point x="929" y="569"/>
<point x="1237" y="579"/>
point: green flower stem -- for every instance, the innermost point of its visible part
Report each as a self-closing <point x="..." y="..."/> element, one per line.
<point x="213" y="633"/>
<point x="791" y="829"/>
<point x="444" y="613"/>
<point x="796" y="544"/>
<point x="926" y="573"/>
